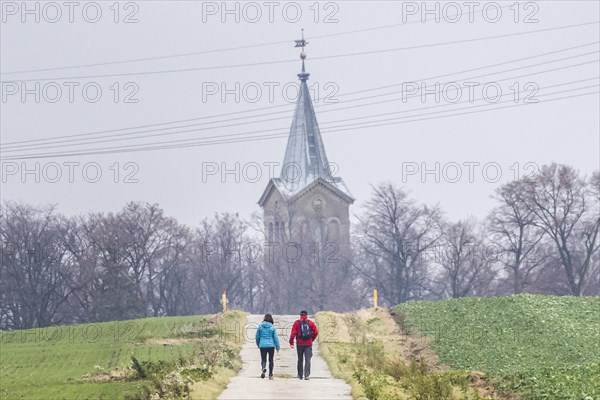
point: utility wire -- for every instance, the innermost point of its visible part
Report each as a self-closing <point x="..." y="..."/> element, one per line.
<point x="119" y="137"/>
<point x="249" y="46"/>
<point x="279" y="129"/>
<point x="85" y="136"/>
<point x="142" y="73"/>
<point x="53" y="155"/>
<point x="161" y="145"/>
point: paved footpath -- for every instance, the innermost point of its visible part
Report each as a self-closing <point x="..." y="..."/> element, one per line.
<point x="248" y="384"/>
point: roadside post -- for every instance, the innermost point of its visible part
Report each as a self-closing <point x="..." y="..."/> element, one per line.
<point x="375" y="298"/>
<point x="224" y="300"/>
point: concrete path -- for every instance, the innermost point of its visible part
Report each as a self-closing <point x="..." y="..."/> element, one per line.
<point x="248" y="384"/>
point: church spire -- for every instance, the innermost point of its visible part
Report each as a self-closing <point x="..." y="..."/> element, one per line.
<point x="305" y="159"/>
<point x="305" y="165"/>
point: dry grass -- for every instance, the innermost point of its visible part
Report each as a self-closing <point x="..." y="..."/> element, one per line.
<point x="212" y="388"/>
<point x="370" y="351"/>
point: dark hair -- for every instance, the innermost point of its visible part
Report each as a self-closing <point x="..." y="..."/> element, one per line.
<point x="268" y="318"/>
<point x="303" y="312"/>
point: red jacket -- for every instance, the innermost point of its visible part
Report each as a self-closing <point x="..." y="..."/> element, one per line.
<point x="314" y="332"/>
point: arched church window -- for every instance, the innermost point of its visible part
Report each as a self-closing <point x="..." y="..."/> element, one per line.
<point x="271" y="232"/>
<point x="277" y="232"/>
<point x="333" y="231"/>
<point x="305" y="231"/>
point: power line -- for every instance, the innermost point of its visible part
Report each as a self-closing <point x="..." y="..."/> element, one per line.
<point x="119" y="137"/>
<point x="158" y="146"/>
<point x="479" y="68"/>
<point x="142" y="73"/>
<point x="468" y="101"/>
<point x="53" y="155"/>
<point x="84" y="136"/>
<point x="194" y="53"/>
<point x="481" y="76"/>
<point x="278" y="129"/>
<point x="477" y="106"/>
<point x="250" y="46"/>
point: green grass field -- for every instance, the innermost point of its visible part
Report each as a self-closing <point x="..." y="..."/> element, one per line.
<point x="541" y="347"/>
<point x="94" y="361"/>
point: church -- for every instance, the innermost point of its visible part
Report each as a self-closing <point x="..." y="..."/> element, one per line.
<point x="306" y="205"/>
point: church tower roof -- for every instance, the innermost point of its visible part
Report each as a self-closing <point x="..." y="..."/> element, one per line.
<point x="305" y="160"/>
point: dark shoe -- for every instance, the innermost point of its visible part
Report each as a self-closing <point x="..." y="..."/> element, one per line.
<point x="263" y="373"/>
<point x="270" y="377"/>
<point x="307" y="378"/>
<point x="299" y="377"/>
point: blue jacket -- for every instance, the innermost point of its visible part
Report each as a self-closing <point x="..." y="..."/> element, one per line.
<point x="266" y="336"/>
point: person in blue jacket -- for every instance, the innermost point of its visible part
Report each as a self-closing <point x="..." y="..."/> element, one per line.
<point x="267" y="341"/>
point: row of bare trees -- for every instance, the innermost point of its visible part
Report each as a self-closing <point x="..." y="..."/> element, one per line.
<point x="542" y="237"/>
<point x="133" y="263"/>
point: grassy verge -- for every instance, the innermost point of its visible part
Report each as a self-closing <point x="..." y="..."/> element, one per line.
<point x="171" y="357"/>
<point x="541" y="347"/>
<point x="368" y="350"/>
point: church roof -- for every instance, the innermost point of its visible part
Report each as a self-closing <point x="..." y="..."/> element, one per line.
<point x="305" y="160"/>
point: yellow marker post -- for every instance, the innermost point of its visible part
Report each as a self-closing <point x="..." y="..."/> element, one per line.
<point x="224" y="300"/>
<point x="375" y="298"/>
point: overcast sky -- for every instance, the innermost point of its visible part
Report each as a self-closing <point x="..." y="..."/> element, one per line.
<point x="510" y="139"/>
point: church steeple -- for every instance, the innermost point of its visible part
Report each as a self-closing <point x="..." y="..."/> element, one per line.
<point x="305" y="158"/>
<point x="308" y="207"/>
<point x="305" y="163"/>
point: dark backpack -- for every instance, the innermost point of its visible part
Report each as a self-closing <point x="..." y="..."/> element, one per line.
<point x="305" y="330"/>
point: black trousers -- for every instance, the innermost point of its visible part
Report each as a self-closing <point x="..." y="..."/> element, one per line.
<point x="304" y="356"/>
<point x="263" y="358"/>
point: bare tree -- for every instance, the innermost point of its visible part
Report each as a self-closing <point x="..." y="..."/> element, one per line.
<point x="172" y="271"/>
<point x="394" y="235"/>
<point x="113" y="291"/>
<point x="566" y="208"/>
<point x="35" y="279"/>
<point x="147" y="238"/>
<point x="219" y="258"/>
<point x="327" y="272"/>
<point x="466" y="265"/>
<point x="512" y="227"/>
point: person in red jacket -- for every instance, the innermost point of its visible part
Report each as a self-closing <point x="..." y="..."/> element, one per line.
<point x="304" y="331"/>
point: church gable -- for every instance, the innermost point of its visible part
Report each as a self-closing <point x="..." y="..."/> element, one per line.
<point x="323" y="186"/>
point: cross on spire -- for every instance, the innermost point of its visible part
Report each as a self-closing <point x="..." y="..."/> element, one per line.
<point x="301" y="42"/>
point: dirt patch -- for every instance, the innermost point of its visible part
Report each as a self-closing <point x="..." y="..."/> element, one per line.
<point x="396" y="341"/>
<point x="333" y="328"/>
<point x="110" y="376"/>
<point x="486" y="390"/>
<point x="377" y="325"/>
<point x="172" y="341"/>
